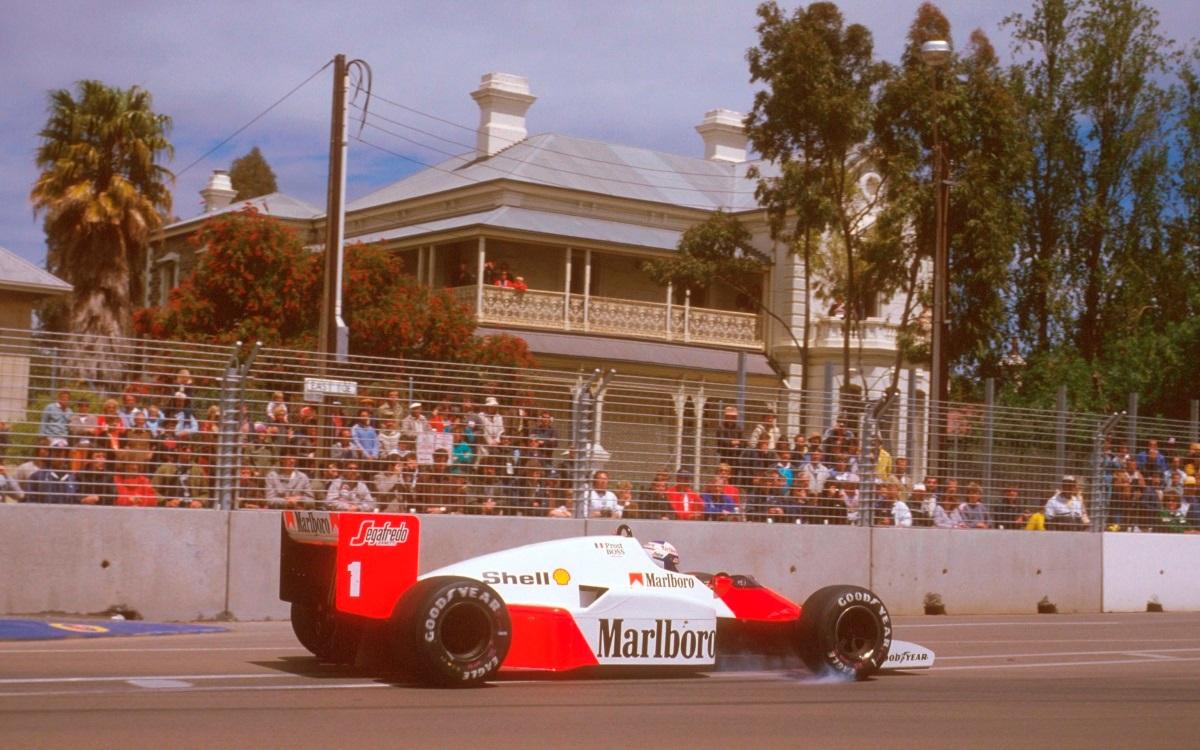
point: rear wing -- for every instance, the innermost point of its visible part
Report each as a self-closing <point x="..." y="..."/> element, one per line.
<point x="361" y="563"/>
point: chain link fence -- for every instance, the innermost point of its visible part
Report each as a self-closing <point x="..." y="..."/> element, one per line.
<point x="158" y="423"/>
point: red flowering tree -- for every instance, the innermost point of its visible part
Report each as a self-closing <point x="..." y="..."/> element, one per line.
<point x="255" y="281"/>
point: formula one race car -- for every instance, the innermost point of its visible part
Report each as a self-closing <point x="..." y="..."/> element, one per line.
<point x="586" y="604"/>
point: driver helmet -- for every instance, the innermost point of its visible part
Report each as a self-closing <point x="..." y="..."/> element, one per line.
<point x="663" y="554"/>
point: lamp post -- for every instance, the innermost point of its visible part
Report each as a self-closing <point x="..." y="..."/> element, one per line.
<point x="937" y="53"/>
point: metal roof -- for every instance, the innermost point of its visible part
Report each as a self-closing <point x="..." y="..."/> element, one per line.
<point x="548" y="223"/>
<point x="18" y="274"/>
<point x="592" y="166"/>
<point x="279" y="205"/>
<point x="590" y="346"/>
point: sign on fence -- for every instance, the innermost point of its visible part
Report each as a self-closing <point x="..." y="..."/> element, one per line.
<point x="315" y="389"/>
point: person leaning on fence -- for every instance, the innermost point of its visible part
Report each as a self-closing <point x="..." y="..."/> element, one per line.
<point x="652" y="499"/>
<point x="56" y="417"/>
<point x="54" y="482"/>
<point x="973" y="511"/>
<point x="767" y="429"/>
<point x="134" y="488"/>
<point x="10" y="489"/>
<point x="1065" y="510"/>
<point x="1010" y="512"/>
<point x="288" y="486"/>
<point x="685" y="503"/>
<point x="599" y="500"/>
<point x="181" y="482"/>
<point x="946" y="515"/>
<point x="492" y="424"/>
<point x="893" y="511"/>
<point x="97" y="485"/>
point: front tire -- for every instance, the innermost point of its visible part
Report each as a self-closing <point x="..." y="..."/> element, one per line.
<point x="844" y="630"/>
<point x="451" y="632"/>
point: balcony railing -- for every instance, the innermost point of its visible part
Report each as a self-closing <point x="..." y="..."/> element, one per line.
<point x="536" y="308"/>
<point x="874" y="334"/>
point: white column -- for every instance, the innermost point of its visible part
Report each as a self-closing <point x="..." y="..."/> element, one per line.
<point x="670" y="323"/>
<point x="698" y="401"/>
<point x="567" y="291"/>
<point x="429" y="264"/>
<point x="680" y="399"/>
<point x="479" y="261"/>
<point x="687" y="308"/>
<point x="421" y="265"/>
<point x="587" y="285"/>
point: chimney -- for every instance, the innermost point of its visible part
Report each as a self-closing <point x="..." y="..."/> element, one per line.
<point x="724" y="139"/>
<point x="219" y="192"/>
<point x="503" y="100"/>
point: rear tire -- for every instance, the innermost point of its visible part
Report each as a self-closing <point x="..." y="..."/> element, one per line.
<point x="451" y="632"/>
<point x="844" y="630"/>
<point x="314" y="626"/>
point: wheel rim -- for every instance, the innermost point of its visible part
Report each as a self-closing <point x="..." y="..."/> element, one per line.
<point x="856" y="634"/>
<point x="465" y="631"/>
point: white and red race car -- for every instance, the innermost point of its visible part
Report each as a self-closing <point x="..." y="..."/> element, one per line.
<point x="597" y="604"/>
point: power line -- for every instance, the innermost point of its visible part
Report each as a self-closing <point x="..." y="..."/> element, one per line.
<point x="253" y="120"/>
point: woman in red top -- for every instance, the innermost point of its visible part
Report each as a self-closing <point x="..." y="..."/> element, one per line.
<point x="134" y="488"/>
<point x="110" y="426"/>
<point x="685" y="502"/>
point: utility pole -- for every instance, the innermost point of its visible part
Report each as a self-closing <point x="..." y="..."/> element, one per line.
<point x="334" y="335"/>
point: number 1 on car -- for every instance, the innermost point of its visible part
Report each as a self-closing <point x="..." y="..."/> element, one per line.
<point x="355" y="571"/>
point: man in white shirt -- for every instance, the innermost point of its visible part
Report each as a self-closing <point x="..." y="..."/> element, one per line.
<point x="601" y="501"/>
<point x="1064" y="509"/>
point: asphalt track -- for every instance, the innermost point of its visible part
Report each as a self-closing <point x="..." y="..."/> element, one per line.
<point x="1055" y="681"/>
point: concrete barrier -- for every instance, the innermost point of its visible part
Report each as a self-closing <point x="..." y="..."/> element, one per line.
<point x="793" y="560"/>
<point x="182" y="565"/>
<point x="165" y="563"/>
<point x="1139" y="567"/>
<point x="986" y="572"/>
<point x="253" y="592"/>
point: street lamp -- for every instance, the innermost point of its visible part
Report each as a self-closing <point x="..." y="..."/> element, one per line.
<point x="936" y="53"/>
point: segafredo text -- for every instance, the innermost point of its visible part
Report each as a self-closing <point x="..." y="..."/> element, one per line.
<point x="380" y="536"/>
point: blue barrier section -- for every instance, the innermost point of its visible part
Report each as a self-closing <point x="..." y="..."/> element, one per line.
<point x="49" y="630"/>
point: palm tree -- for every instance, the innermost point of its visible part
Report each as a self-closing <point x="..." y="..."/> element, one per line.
<point x="103" y="194"/>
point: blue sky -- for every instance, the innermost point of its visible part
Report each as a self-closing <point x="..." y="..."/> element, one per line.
<point x="641" y="73"/>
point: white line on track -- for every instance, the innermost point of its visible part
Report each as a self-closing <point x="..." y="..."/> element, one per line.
<point x="1021" y="623"/>
<point x="127" y="678"/>
<point x="1037" y="665"/>
<point x="1144" y="652"/>
<point x="204" y="689"/>
<point x="9" y="652"/>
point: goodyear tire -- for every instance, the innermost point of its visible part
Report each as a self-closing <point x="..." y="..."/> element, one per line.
<point x="314" y="625"/>
<point x="844" y="630"/>
<point x="451" y="632"/>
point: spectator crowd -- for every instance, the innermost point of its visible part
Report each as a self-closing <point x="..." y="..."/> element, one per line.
<point x="393" y="454"/>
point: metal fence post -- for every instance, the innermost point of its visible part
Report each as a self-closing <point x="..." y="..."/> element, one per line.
<point x="989" y="438"/>
<point x="1101" y="483"/>
<point x="1194" y="421"/>
<point x="228" y="403"/>
<point x="1060" y="431"/>
<point x="1132" y="411"/>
